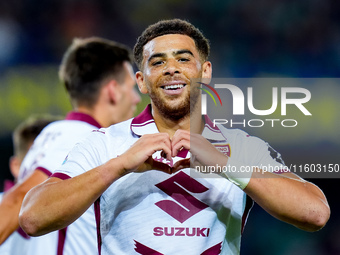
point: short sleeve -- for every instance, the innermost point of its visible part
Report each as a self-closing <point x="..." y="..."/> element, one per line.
<point x="85" y="155"/>
<point x="266" y="157"/>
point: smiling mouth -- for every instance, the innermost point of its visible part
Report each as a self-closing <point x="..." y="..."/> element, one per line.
<point x="173" y="87"/>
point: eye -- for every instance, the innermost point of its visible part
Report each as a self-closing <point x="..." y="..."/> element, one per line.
<point x="156" y="63"/>
<point x="183" y="60"/>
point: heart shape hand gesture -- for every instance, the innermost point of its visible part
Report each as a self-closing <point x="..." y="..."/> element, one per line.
<point x="139" y="157"/>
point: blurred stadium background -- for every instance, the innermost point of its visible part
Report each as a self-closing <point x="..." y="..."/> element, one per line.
<point x="266" y="38"/>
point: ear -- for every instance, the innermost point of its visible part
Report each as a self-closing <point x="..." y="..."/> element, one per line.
<point x="14" y="166"/>
<point x="140" y="82"/>
<point x="112" y="89"/>
<point x="207" y="71"/>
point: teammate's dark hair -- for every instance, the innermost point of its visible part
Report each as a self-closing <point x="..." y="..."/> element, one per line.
<point x="173" y="26"/>
<point x="87" y="64"/>
<point x="25" y="133"/>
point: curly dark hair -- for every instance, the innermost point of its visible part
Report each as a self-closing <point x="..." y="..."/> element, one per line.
<point x="87" y="63"/>
<point x="172" y="26"/>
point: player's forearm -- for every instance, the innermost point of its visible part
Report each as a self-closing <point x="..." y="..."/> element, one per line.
<point x="9" y="207"/>
<point x="8" y="225"/>
<point x="294" y="201"/>
<point x="11" y="203"/>
<point x="57" y="203"/>
<point x="45" y="205"/>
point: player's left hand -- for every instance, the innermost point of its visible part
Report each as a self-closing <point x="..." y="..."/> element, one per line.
<point x="203" y="153"/>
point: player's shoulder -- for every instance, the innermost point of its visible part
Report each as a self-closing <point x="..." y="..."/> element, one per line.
<point x="118" y="133"/>
<point x="52" y="126"/>
<point x="68" y="126"/>
<point x="241" y="136"/>
<point x="232" y="131"/>
<point x="116" y="130"/>
<point x="63" y="133"/>
<point x="50" y="130"/>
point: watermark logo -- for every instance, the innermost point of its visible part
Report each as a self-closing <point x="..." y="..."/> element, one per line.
<point x="209" y="93"/>
<point x="243" y="103"/>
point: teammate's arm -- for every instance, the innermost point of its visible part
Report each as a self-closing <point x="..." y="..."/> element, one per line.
<point x="56" y="203"/>
<point x="285" y="196"/>
<point x="11" y="203"/>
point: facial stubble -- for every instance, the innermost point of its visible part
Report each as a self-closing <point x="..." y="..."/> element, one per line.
<point x="175" y="113"/>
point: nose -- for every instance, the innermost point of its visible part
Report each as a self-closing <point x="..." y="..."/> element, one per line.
<point x="171" y="68"/>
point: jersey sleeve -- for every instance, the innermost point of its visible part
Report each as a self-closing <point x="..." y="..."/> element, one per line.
<point x="51" y="158"/>
<point x="264" y="156"/>
<point x="84" y="156"/>
<point x="56" y="141"/>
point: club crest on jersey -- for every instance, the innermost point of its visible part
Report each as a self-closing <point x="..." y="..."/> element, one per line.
<point x="224" y="148"/>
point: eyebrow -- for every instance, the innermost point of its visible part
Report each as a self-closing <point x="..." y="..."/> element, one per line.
<point x="163" y="55"/>
<point x="179" y="52"/>
<point x="156" y="55"/>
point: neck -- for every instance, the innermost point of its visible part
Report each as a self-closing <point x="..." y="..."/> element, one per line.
<point x="94" y="113"/>
<point x="192" y="122"/>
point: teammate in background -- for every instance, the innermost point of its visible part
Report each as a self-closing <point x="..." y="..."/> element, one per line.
<point x="168" y="211"/>
<point x="23" y="137"/>
<point x="98" y="76"/>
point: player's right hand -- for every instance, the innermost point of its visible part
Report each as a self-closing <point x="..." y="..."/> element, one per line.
<point x="138" y="158"/>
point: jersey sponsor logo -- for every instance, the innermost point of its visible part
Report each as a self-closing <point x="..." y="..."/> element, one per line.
<point x="215" y="250"/>
<point x="177" y="187"/>
<point x="180" y="231"/>
<point x="145" y="250"/>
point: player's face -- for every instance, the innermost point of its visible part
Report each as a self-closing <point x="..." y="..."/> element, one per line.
<point x="129" y="97"/>
<point x="169" y="62"/>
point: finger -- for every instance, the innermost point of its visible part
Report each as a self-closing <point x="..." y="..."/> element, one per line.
<point x="180" y="145"/>
<point x="158" y="142"/>
<point x="161" y="167"/>
<point x="163" y="154"/>
<point x="166" y="147"/>
<point x="179" y="135"/>
<point x="144" y="148"/>
<point x="179" y="165"/>
<point x="180" y="141"/>
<point x="151" y="164"/>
